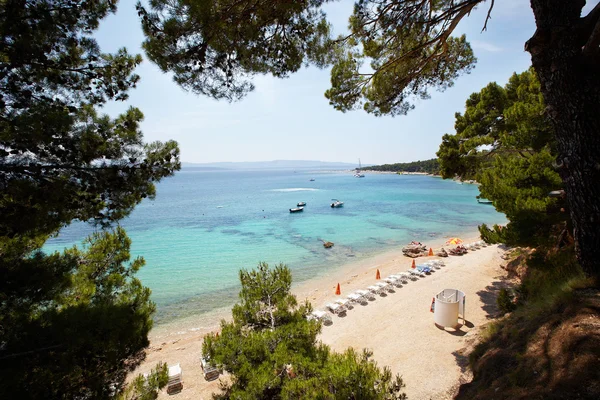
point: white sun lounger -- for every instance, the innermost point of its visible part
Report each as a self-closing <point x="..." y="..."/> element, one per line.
<point x="175" y="382"/>
<point x="414" y="274"/>
<point x="320" y="316"/>
<point x="393" y="280"/>
<point x="384" y="286"/>
<point x="343" y="302"/>
<point x="335" y="308"/>
<point x="419" y="273"/>
<point x="376" y="289"/>
<point x="367" y="294"/>
<point x="403" y="277"/>
<point x="356" y="297"/>
<point x="432" y="264"/>
<point x="208" y="369"/>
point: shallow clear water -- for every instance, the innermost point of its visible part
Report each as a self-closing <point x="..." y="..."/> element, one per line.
<point x="205" y="226"/>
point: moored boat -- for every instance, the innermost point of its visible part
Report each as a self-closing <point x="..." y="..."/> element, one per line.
<point x="301" y="204"/>
<point x="295" y="210"/>
<point x="336" y="203"/>
<point x="358" y="173"/>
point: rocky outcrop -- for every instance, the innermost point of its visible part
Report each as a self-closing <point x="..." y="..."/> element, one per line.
<point x="516" y="265"/>
<point x="414" y="250"/>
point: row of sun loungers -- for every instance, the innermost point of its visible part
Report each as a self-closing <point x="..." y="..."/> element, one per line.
<point x="463" y="249"/>
<point x="476" y="245"/>
<point x="340" y="306"/>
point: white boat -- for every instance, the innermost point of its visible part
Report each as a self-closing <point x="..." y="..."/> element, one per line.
<point x="336" y="203"/>
<point x="359" y="174"/>
<point x="295" y="210"/>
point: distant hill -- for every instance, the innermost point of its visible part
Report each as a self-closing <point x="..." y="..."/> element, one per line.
<point x="200" y="167"/>
<point x="429" y="166"/>
<point x="276" y="164"/>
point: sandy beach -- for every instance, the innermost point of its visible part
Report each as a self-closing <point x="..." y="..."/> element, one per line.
<point x="398" y="328"/>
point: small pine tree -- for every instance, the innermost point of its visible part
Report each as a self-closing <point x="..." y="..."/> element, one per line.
<point x="505" y="301"/>
<point x="271" y="349"/>
<point x="146" y="387"/>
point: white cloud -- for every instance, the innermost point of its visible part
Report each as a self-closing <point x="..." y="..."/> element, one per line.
<point x="479" y="45"/>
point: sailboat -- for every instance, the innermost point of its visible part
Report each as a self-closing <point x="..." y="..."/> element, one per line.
<point x="359" y="174"/>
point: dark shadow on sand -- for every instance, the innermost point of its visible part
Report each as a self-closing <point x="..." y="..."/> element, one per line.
<point x="462" y="360"/>
<point x="489" y="295"/>
<point x="456" y="331"/>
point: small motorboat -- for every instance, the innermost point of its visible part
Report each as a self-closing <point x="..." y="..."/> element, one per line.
<point x="295" y="210"/>
<point x="484" y="201"/>
<point x="336" y="203"/>
<point x="312" y="179"/>
<point x="302" y="204"/>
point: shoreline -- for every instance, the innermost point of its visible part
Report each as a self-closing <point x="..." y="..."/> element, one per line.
<point x="398" y="327"/>
<point x="312" y="289"/>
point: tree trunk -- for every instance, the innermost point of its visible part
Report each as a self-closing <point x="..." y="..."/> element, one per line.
<point x="564" y="52"/>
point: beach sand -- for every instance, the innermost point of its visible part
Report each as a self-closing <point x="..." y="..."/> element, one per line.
<point x="398" y="328"/>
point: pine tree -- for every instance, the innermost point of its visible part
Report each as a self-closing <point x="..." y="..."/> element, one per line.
<point x="72" y="324"/>
<point x="271" y="351"/>
<point x="505" y="142"/>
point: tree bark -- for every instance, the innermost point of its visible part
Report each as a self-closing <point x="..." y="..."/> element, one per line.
<point x="566" y="57"/>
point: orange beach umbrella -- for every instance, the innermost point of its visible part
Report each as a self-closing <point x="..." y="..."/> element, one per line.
<point x="454" y="241"/>
<point x="414" y="265"/>
<point x="377" y="275"/>
<point x="338" y="290"/>
<point x="430" y="252"/>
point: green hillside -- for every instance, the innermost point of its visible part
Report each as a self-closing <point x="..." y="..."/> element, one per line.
<point x="429" y="166"/>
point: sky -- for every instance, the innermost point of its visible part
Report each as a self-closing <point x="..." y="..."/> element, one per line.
<point x="290" y="119"/>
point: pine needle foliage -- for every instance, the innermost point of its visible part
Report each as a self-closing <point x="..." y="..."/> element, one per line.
<point x="271" y="350"/>
<point x="505" y="142"/>
<point x="72" y="324"/>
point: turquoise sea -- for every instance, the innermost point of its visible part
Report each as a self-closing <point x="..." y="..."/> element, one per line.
<point x="204" y="226"/>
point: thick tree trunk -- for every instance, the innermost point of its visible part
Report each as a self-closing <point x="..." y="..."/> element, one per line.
<point x="565" y="55"/>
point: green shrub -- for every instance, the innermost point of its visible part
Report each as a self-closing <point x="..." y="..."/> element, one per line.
<point x="506" y="301"/>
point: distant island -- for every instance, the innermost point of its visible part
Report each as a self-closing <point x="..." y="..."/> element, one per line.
<point x="427" y="166"/>
<point x="276" y="164"/>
